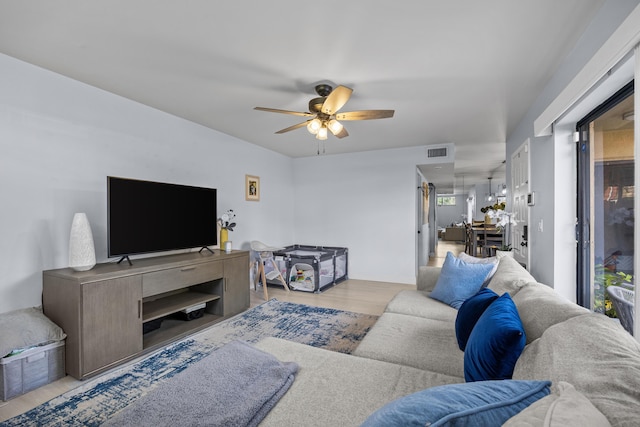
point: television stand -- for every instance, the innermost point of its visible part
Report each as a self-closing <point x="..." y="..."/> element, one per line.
<point x="103" y="310"/>
<point x="205" y="247"/>
<point x="123" y="258"/>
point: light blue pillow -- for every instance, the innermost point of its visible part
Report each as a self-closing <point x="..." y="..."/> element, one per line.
<point x="478" y="404"/>
<point x="459" y="280"/>
<point x="495" y="343"/>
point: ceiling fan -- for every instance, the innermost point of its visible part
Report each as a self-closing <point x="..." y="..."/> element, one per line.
<point x="324" y="113"/>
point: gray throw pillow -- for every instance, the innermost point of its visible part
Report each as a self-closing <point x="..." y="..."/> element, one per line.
<point x="509" y="277"/>
<point x="540" y="307"/>
<point x="594" y="354"/>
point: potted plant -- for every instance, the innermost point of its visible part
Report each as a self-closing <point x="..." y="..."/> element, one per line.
<point x="495" y="207"/>
<point x="504" y="220"/>
<point x="226" y="224"/>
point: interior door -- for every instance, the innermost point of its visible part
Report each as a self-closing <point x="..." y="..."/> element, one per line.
<point x="519" y="238"/>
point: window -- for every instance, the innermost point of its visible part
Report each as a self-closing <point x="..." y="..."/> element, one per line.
<point x="446" y="200"/>
<point x="606" y="167"/>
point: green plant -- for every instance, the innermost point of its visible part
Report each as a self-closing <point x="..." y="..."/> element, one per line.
<point x="603" y="278"/>
<point x="505" y="248"/>
<point x="495" y="207"/>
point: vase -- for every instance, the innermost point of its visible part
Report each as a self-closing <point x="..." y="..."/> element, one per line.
<point x="487" y="219"/>
<point x="82" y="252"/>
<point x="224" y="236"/>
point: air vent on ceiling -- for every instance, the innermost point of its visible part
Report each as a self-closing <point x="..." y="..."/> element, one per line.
<point x="437" y="152"/>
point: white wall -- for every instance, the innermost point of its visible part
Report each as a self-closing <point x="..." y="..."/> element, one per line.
<point x="59" y="139"/>
<point x="553" y="257"/>
<point x="452" y="214"/>
<point x="363" y="201"/>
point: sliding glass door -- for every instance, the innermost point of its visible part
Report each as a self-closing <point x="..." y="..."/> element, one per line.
<point x="606" y="219"/>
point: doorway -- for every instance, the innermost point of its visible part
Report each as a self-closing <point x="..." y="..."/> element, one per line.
<point x="520" y="198"/>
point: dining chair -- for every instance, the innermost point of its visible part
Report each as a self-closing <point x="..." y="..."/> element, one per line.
<point x="492" y="240"/>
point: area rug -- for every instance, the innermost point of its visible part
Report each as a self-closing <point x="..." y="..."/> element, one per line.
<point x="98" y="399"/>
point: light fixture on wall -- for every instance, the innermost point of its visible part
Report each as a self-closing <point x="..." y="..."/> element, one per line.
<point x="504" y="189"/>
<point x="629" y="115"/>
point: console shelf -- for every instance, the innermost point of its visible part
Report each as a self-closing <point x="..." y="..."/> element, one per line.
<point x="102" y="310"/>
<point x="161" y="307"/>
<point x="175" y="329"/>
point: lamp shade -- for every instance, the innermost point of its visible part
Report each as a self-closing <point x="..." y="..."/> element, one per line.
<point x="314" y="126"/>
<point x="82" y="252"/>
<point x="322" y="133"/>
<point x="335" y="126"/>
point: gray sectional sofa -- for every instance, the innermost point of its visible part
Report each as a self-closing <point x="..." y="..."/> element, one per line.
<point x="593" y="364"/>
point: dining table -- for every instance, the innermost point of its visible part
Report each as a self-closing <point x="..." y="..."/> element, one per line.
<point x="478" y="235"/>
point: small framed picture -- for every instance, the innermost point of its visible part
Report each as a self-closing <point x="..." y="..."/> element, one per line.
<point x="252" y="188"/>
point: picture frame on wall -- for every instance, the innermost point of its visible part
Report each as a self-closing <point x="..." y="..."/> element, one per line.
<point x="252" y="188"/>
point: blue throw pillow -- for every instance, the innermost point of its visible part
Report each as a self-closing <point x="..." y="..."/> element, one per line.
<point x="469" y="313"/>
<point x="459" y="280"/>
<point x="495" y="343"/>
<point x="483" y="403"/>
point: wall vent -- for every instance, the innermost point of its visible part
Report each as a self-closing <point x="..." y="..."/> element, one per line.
<point x="437" y="152"/>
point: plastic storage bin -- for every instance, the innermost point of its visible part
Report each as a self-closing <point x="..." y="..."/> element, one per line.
<point x="311" y="268"/>
<point x="31" y="369"/>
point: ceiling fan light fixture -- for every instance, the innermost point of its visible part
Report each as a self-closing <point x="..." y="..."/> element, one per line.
<point x="323" y="116"/>
<point x="335" y="126"/>
<point x="314" y="126"/>
<point x="322" y="133"/>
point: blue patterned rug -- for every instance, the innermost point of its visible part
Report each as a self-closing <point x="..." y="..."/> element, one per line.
<point x="97" y="399"/>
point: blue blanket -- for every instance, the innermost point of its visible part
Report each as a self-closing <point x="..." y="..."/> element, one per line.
<point x="236" y="385"/>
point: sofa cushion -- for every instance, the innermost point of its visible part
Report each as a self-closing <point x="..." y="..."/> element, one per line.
<point x="427" y="277"/>
<point x="540" y="306"/>
<point x="459" y="280"/>
<point x="509" y="277"/>
<point x="414" y="341"/>
<point x="495" y="343"/>
<point x="594" y="354"/>
<point x="416" y="303"/>
<point x="564" y="407"/>
<point x="470" y="312"/>
<point x="483" y="403"/>
<point x="336" y="389"/>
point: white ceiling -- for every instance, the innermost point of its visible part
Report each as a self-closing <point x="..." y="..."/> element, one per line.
<point x="462" y="72"/>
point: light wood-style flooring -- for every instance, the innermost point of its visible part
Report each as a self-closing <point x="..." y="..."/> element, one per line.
<point x="360" y="296"/>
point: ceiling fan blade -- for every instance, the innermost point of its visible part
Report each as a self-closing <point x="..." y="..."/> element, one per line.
<point x="294" y="127"/>
<point x="342" y="133"/>
<point x="336" y="100"/>
<point x="275" y="110"/>
<point x="365" y="115"/>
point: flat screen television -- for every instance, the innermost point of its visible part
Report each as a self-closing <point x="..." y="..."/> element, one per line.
<point x="146" y="216"/>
